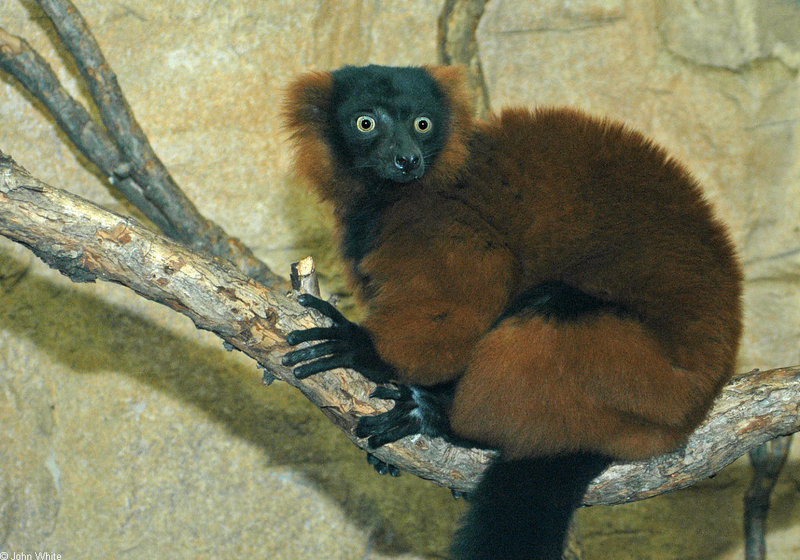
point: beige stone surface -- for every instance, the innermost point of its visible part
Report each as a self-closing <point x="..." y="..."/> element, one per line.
<point x="126" y="433"/>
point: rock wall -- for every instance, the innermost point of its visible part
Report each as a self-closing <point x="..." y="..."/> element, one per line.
<point x="126" y="433"/>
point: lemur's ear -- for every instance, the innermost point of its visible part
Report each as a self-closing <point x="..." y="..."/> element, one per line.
<point x="308" y="101"/>
<point x="453" y="80"/>
<point x="305" y="110"/>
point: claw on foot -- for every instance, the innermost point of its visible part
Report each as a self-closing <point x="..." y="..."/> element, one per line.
<point x="382" y="467"/>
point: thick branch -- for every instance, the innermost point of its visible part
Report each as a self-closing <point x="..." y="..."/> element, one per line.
<point x="125" y="157"/>
<point x="86" y="242"/>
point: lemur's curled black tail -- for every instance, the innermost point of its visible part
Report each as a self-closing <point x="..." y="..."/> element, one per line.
<point x="522" y="508"/>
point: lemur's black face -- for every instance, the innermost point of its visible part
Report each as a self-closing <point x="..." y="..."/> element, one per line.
<point x="387" y="123"/>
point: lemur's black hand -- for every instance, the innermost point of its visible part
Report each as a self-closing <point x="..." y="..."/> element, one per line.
<point x="346" y="345"/>
<point x="417" y="410"/>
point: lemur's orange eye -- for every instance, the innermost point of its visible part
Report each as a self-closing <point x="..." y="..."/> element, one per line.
<point x="423" y="125"/>
<point x="365" y="123"/>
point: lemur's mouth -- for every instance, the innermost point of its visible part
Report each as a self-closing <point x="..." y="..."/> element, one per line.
<point x="406" y="177"/>
<point x="400" y="175"/>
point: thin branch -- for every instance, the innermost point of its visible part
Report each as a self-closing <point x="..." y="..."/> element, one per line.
<point x="767" y="461"/>
<point x="86" y="242"/>
<point x="145" y="167"/>
<point x="125" y="156"/>
<point x="304" y="277"/>
<point x="26" y="65"/>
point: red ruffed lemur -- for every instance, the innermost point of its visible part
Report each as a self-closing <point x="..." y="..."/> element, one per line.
<point x="545" y="283"/>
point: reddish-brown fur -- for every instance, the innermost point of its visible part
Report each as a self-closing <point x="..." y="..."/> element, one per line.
<point x="532" y="197"/>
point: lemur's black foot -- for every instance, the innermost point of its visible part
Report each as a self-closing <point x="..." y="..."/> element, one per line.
<point x="346" y="345"/>
<point x="417" y="410"/>
<point x="382" y="467"/>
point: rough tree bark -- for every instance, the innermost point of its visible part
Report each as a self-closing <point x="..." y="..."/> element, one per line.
<point x="87" y="243"/>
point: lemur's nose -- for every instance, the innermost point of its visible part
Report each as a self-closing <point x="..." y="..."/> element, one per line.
<point x="407" y="162"/>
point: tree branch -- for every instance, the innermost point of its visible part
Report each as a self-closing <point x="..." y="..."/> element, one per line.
<point x="26" y="65"/>
<point x="121" y="151"/>
<point x="86" y="242"/>
<point x="458" y="25"/>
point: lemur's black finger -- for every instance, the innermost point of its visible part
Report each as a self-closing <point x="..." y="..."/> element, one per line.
<point x="392" y="434"/>
<point x="389" y="393"/>
<point x="370" y="425"/>
<point x="384" y="423"/>
<point x="323" y="364"/>
<point x="313" y="352"/>
<point x="315" y="333"/>
<point x="307" y="300"/>
<point x="366" y="429"/>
